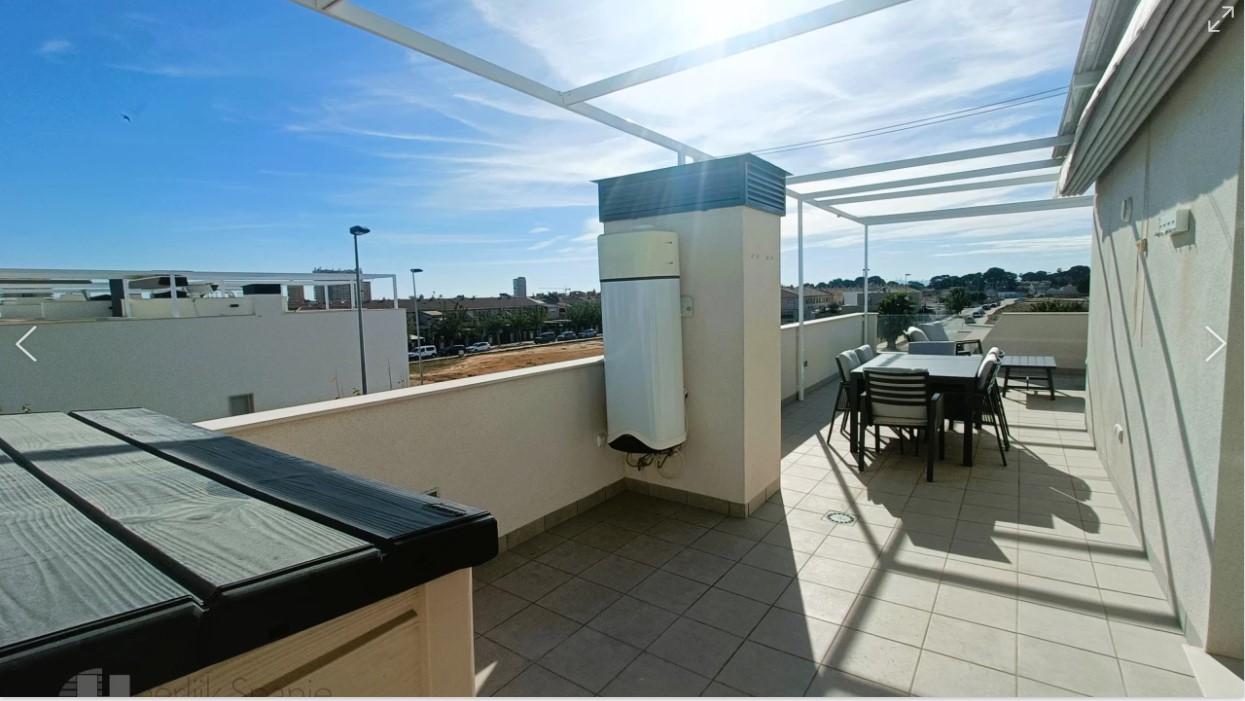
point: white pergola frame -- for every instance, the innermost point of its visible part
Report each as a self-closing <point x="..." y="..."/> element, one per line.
<point x="576" y="100"/>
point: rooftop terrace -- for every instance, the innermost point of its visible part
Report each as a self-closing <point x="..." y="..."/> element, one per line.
<point x="995" y="580"/>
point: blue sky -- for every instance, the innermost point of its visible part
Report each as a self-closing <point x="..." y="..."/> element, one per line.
<point x="260" y="132"/>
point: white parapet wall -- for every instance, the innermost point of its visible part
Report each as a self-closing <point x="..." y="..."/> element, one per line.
<point x="824" y="339"/>
<point x="521" y="444"/>
<point x="189" y="367"/>
<point x="1063" y="335"/>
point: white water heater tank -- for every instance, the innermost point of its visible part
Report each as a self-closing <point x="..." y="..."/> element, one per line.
<point x="643" y="329"/>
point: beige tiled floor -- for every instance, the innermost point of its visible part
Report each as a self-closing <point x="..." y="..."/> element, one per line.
<point x="1022" y="579"/>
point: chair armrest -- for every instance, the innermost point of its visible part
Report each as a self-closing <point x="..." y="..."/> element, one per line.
<point x="967" y="342"/>
<point x="935" y="410"/>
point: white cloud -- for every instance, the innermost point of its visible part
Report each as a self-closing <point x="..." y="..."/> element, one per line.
<point x="518" y="263"/>
<point x="435" y="239"/>
<point x="507" y="151"/>
<point x="539" y="230"/>
<point x="546" y="243"/>
<point x="167" y="70"/>
<point x="398" y="136"/>
<point x="1026" y="246"/>
<point x="591" y="230"/>
<point x="54" y="47"/>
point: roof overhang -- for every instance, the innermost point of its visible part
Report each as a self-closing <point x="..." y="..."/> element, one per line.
<point x="1103" y="28"/>
<point x="1160" y="40"/>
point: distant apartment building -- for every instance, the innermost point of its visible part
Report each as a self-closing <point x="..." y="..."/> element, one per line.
<point x="853" y="300"/>
<point x="338" y="295"/>
<point x="817" y="302"/>
<point x="192" y="345"/>
<point x="474" y="307"/>
<point x="1034" y="288"/>
<point x="520" y="287"/>
<point x="296" y="296"/>
<point x="574" y="298"/>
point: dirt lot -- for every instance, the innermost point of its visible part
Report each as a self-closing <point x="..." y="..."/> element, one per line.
<point x="497" y="361"/>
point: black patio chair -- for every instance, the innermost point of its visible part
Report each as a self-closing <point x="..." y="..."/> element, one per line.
<point x="988" y="405"/>
<point x="847" y="361"/>
<point x="904" y="399"/>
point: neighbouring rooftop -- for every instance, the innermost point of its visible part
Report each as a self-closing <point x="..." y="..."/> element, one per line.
<point x="87" y="294"/>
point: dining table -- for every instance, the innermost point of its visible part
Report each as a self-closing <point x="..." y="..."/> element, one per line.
<point x="955" y="375"/>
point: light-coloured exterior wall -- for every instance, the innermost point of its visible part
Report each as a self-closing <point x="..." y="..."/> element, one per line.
<point x="1178" y="461"/>
<point x="824" y="339"/>
<point x="520" y="444"/>
<point x="1062" y="335"/>
<point x="189" y="367"/>
<point x="523" y="444"/>
<point x="728" y="262"/>
<point x="761" y="425"/>
<point x="52" y="310"/>
<point x="415" y="643"/>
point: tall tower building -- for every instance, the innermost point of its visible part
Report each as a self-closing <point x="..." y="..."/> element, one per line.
<point x="520" y="288"/>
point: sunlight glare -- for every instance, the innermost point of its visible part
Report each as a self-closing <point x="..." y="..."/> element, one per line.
<point x="708" y="21"/>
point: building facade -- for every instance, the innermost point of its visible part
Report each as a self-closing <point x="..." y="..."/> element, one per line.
<point x="338" y="295"/>
<point x="1165" y="410"/>
<point x="190" y="357"/>
<point x="817" y="302"/>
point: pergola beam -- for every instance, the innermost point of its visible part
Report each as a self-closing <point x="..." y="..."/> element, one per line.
<point x="963" y="187"/>
<point x="982" y="152"/>
<point x="982" y="211"/>
<point x="778" y="31"/>
<point x="398" y="33"/>
<point x="940" y="178"/>
<point x="385" y="28"/>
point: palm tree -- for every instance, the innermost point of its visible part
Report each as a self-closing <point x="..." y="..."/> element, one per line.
<point x="894" y="315"/>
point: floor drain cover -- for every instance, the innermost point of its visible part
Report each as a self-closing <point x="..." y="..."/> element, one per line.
<point x="840" y="517"/>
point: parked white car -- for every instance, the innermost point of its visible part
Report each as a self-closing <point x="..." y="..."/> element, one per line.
<point x="479" y="347"/>
<point x="422" y="352"/>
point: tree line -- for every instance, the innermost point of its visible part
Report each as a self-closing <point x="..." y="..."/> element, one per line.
<point x="996" y="279"/>
<point x="1002" y="280"/>
<point x="457" y="325"/>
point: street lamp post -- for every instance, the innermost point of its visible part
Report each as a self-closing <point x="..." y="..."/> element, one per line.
<point x="419" y="340"/>
<point x="356" y="232"/>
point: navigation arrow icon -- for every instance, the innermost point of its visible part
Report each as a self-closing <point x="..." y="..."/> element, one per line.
<point x="23" y="338"/>
<point x="1222" y="343"/>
